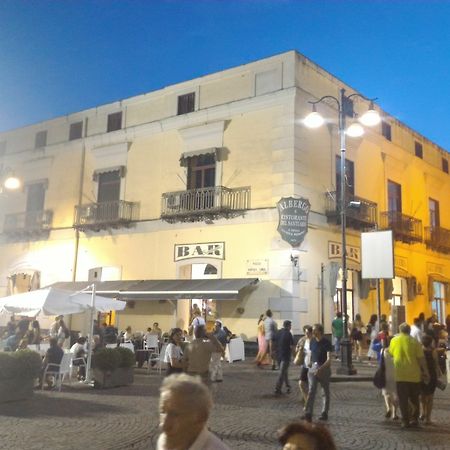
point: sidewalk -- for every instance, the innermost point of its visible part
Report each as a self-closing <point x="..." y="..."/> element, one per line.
<point x="246" y="415"/>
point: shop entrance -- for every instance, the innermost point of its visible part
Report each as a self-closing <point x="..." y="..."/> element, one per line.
<point x="337" y="299"/>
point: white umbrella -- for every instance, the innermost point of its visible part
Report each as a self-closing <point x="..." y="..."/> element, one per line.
<point x="52" y="301"/>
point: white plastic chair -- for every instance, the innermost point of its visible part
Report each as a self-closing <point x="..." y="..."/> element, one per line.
<point x="59" y="371"/>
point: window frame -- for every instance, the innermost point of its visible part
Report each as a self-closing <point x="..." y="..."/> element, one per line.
<point x="445" y="165"/>
<point x="386" y="130"/>
<point x="114" y="122"/>
<point x="434" y="214"/>
<point x="76" y="130"/>
<point x="40" y="139"/>
<point x="186" y="103"/>
<point x="418" y="149"/>
<point x="194" y="168"/>
<point x="397" y="198"/>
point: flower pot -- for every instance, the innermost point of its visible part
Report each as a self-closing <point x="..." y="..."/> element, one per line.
<point x="122" y="376"/>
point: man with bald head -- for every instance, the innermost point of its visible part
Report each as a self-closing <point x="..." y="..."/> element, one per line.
<point x="184" y="407"/>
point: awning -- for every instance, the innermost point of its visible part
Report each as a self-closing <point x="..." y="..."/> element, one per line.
<point x="216" y="151"/>
<point x="216" y="289"/>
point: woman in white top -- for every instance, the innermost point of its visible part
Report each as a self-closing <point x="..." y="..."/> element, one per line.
<point x="174" y="353"/>
<point x="305" y="360"/>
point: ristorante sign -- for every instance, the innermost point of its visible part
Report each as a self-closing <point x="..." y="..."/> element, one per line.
<point x="293" y="219"/>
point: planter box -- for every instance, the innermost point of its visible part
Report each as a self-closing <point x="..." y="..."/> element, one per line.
<point x="123" y="376"/>
<point x="13" y="389"/>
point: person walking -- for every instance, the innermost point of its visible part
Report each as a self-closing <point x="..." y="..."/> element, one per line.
<point x="270" y="330"/>
<point x="372" y="332"/>
<point x="303" y="346"/>
<point x="427" y="390"/>
<point x="357" y="335"/>
<point x="337" y="327"/>
<point x="319" y="373"/>
<point x="409" y="369"/>
<point x="285" y="345"/>
<point x="262" y="344"/>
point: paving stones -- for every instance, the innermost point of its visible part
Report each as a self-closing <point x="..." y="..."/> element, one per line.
<point x="246" y="415"/>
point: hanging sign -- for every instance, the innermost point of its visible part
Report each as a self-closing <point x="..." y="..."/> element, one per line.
<point x="293" y="219"/>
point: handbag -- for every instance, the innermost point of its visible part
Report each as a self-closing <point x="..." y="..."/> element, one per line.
<point x="379" y="379"/>
<point x="299" y="358"/>
<point x="441" y="382"/>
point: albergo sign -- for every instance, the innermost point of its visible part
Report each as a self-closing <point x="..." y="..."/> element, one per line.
<point x="293" y="219"/>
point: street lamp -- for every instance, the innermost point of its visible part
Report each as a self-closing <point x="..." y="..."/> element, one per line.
<point x="315" y="120"/>
<point x="12" y="183"/>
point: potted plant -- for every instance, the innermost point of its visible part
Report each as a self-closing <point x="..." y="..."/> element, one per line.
<point x="18" y="373"/>
<point x="113" y="367"/>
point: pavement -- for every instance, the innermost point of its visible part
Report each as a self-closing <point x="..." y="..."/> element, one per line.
<point x="246" y="414"/>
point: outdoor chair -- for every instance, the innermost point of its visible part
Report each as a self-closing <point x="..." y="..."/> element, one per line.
<point x="59" y="371"/>
<point x="157" y="359"/>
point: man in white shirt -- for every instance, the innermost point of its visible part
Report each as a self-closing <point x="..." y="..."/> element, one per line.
<point x="184" y="407"/>
<point x="416" y="331"/>
<point x="197" y="321"/>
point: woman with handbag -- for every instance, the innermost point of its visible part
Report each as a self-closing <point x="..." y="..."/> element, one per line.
<point x="303" y="359"/>
<point x="427" y="390"/>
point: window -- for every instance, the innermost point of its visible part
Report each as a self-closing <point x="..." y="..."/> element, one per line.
<point x="114" y="122"/>
<point x="418" y="149"/>
<point x="202" y="171"/>
<point x="433" y="207"/>
<point x="386" y="131"/>
<point x="40" y="139"/>
<point x="438" y="301"/>
<point x="109" y="186"/>
<point x="394" y="197"/>
<point x="186" y="103"/>
<point x="444" y="165"/>
<point x="349" y="176"/>
<point x="35" y="204"/>
<point x="75" y="131"/>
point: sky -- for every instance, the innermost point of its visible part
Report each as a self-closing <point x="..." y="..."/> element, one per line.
<point x="62" y="56"/>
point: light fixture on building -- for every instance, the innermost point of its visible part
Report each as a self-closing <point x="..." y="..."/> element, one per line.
<point x="369" y="118"/>
<point x="12" y="183"/>
<point x="295" y="261"/>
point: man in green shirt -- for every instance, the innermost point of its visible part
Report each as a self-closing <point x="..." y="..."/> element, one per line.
<point x="409" y="370"/>
<point x="337" y="327"/>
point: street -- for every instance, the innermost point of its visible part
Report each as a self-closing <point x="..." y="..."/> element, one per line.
<point x="246" y="415"/>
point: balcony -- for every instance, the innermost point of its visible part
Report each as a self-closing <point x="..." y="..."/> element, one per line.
<point x="204" y="204"/>
<point x="360" y="213"/>
<point x="438" y="239"/>
<point x="28" y="223"/>
<point x="105" y="215"/>
<point x="405" y="228"/>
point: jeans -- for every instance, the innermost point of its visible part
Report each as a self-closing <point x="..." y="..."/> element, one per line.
<point x="324" y="382"/>
<point x="337" y="345"/>
<point x="283" y="377"/>
<point x="408" y="393"/>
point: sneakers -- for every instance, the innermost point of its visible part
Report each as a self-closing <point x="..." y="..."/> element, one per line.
<point x="323" y="416"/>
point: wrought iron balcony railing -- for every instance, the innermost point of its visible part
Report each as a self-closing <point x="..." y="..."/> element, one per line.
<point x="437" y="238"/>
<point x="97" y="216"/>
<point x="405" y="228"/>
<point x="204" y="203"/>
<point x="360" y="213"/>
<point x="28" y="222"/>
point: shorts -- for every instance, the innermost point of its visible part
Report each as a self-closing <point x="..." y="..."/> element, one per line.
<point x="304" y="374"/>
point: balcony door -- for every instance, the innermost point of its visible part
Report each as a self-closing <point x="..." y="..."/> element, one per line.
<point x="433" y="207"/>
<point x="394" y="197"/>
<point x="108" y="195"/>
<point x="35" y="204"/>
<point x="201" y="176"/>
<point x="349" y="178"/>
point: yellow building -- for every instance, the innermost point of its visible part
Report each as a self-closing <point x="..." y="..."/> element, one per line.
<point x="151" y="193"/>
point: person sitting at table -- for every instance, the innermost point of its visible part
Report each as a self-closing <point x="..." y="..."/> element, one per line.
<point x="173" y="356"/>
<point x="53" y="356"/>
<point x="34" y="333"/>
<point x="79" y="351"/>
<point x="12" y="342"/>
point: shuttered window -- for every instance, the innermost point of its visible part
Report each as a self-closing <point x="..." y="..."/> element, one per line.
<point x="186" y="103"/>
<point x="35" y="197"/>
<point x="75" y="131"/>
<point x="114" y="122"/>
<point x="386" y="131"/>
<point x="394" y="197"/>
<point x="40" y="139"/>
<point x="349" y="176"/>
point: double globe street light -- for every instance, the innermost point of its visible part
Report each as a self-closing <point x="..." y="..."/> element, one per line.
<point x="314" y="120"/>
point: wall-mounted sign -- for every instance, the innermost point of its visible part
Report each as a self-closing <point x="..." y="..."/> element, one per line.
<point x="214" y="250"/>
<point x="334" y="251"/>
<point x="257" y="266"/>
<point x="293" y="219"/>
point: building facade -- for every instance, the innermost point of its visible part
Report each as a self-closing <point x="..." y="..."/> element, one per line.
<point x="182" y="184"/>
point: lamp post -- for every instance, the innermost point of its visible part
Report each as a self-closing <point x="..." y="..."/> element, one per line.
<point x="315" y="120"/>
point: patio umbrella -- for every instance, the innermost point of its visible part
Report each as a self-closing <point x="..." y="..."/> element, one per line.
<point x="52" y="301"/>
